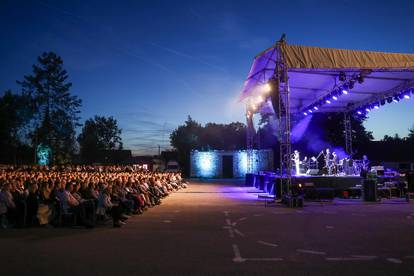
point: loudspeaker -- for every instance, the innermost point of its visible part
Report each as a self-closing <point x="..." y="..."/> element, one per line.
<point x="370" y="190"/>
<point x="312" y="172"/>
<point x="410" y="181"/>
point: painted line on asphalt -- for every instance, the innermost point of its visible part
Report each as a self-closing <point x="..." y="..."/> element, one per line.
<point x="238" y="233"/>
<point x="268" y="243"/>
<point x="237" y="256"/>
<point x="167" y="221"/>
<point x="365" y="257"/>
<point x="311" y="252"/>
<point x="341" y="259"/>
<point x="264" y="259"/>
<point x="394" y="260"/>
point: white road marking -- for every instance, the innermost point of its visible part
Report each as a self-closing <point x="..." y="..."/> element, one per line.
<point x="311" y="252"/>
<point x="167" y="221"/>
<point x="237" y="256"/>
<point x="364" y="257"/>
<point x="268" y="243"/>
<point x="264" y="259"/>
<point x="346" y="259"/>
<point x="238" y="233"/>
<point x="394" y="260"/>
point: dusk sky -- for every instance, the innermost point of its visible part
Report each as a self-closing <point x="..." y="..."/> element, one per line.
<point x="151" y="63"/>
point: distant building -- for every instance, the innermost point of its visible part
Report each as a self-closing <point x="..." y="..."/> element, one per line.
<point x="228" y="164"/>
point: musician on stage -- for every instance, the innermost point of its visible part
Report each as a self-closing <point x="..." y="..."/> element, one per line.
<point x="327" y="159"/>
<point x="296" y="160"/>
<point x="365" y="166"/>
<point x="334" y="161"/>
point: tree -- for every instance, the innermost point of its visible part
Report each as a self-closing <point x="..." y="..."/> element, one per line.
<point x="184" y="139"/>
<point x="14" y="114"/>
<point x="410" y="136"/>
<point x="55" y="110"/>
<point x="98" y="134"/>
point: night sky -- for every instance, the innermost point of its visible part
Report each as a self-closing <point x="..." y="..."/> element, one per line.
<point x="151" y="63"/>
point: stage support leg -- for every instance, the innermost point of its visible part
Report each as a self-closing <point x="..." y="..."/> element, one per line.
<point x="348" y="134"/>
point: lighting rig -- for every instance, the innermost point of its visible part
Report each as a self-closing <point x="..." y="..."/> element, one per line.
<point x="376" y="104"/>
<point x="343" y="88"/>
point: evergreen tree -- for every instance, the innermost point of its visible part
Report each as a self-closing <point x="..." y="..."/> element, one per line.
<point x="56" y="111"/>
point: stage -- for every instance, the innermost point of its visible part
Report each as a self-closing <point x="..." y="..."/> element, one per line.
<point x="312" y="186"/>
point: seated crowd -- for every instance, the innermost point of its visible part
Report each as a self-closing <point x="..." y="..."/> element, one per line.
<point x="38" y="196"/>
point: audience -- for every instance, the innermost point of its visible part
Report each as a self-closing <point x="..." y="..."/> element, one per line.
<point x="40" y="196"/>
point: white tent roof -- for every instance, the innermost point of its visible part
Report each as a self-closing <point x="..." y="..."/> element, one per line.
<point x="313" y="73"/>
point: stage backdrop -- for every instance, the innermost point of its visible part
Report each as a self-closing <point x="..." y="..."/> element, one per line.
<point x="228" y="164"/>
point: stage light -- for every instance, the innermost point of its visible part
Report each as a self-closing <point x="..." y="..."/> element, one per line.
<point x="344" y="91"/>
<point x="406" y="96"/>
<point x="335" y="98"/>
<point x="396" y="99"/>
<point x="359" y="112"/>
<point x="328" y="101"/>
<point x="310" y="110"/>
<point x="259" y="99"/>
<point x="315" y="107"/>
<point x="342" y="76"/>
<point x="367" y="109"/>
<point x="304" y="113"/>
<point x="376" y="106"/>
<point x="267" y="88"/>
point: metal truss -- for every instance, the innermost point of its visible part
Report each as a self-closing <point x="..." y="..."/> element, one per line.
<point x="348" y="134"/>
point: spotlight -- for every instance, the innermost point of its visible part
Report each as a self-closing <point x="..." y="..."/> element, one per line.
<point x="367" y="109"/>
<point x="259" y="99"/>
<point x="304" y="113"/>
<point x="359" y="112"/>
<point x="315" y="107"/>
<point x="310" y="110"/>
<point x="335" y="98"/>
<point x="396" y="99"/>
<point x="406" y="96"/>
<point x="342" y="76"/>
<point x="345" y="92"/>
<point x="267" y="88"/>
<point x="328" y="101"/>
<point x="376" y="106"/>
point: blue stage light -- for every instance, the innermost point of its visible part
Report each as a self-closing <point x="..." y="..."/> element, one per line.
<point x="396" y="99"/>
<point x="310" y="110"/>
<point x="359" y="112"/>
<point x="315" y="107"/>
<point x="367" y="109"/>
<point x="344" y="91"/>
<point x="406" y="96"/>
<point x="304" y="113"/>
<point x="328" y="101"/>
<point x="376" y="106"/>
<point x="335" y="98"/>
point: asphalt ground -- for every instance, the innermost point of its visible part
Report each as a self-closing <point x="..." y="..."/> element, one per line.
<point x="222" y="228"/>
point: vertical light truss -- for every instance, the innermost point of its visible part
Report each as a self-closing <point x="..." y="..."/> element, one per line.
<point x="281" y="76"/>
<point x="249" y="140"/>
<point x="348" y="134"/>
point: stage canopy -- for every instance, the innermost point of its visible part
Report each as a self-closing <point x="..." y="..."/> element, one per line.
<point x="334" y="80"/>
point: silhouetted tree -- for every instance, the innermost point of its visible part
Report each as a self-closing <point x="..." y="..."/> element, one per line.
<point x="98" y="134"/>
<point x="55" y="109"/>
<point x="14" y="114"/>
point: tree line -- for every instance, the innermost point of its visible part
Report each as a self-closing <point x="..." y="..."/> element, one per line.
<point x="45" y="113"/>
